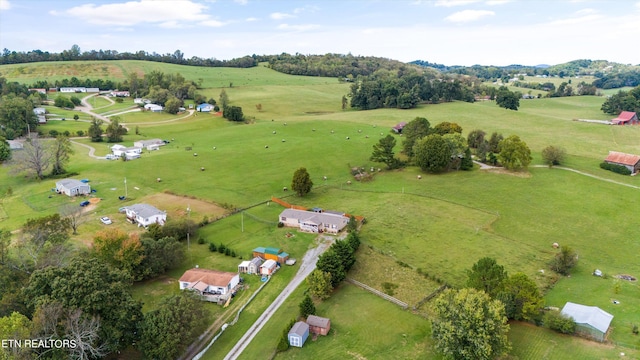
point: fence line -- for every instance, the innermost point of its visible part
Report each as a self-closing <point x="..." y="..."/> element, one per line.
<point x="430" y="296"/>
<point x="268" y="222"/>
<point x="402" y="304"/>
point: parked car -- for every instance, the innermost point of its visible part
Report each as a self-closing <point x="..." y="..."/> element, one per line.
<point x="105" y="220"/>
<point x="84" y="203"/>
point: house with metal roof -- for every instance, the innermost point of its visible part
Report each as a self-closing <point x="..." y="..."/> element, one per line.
<point x="590" y="321"/>
<point x="145" y="215"/>
<point x="150" y="144"/>
<point x="315" y="222"/>
<point x="72" y="187"/>
<point x="630" y="161"/>
<point x="205" y="107"/>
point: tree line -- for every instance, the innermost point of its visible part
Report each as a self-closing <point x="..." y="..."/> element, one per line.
<point x="623" y="101"/>
<point x="75" y="54"/>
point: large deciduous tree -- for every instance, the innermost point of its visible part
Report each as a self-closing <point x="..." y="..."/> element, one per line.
<point x="521" y="298"/>
<point x="446" y="127"/>
<point x="16" y="116"/>
<point x="233" y="113"/>
<point x="383" y="152"/>
<point x="507" y="99"/>
<point x="122" y="250"/>
<point x="301" y="182"/>
<point x="475" y="138"/>
<point x="486" y="275"/>
<point x="468" y="324"/>
<point x="74" y="214"/>
<point x="553" y="155"/>
<point x="34" y="159"/>
<point x="115" y="131"/>
<point x="61" y="151"/>
<point x="514" y="153"/>
<point x="432" y="153"/>
<point x="319" y="283"/>
<point x="95" y="288"/>
<point x="224" y="99"/>
<point x="413" y="131"/>
<point x="564" y="261"/>
<point x="332" y="263"/>
<point x="169" y="329"/>
<point x="95" y="130"/>
<point x="42" y="242"/>
<point x="5" y="150"/>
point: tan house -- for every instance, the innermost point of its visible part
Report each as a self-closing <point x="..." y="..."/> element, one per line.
<point x="209" y="281"/>
<point x="315" y="222"/>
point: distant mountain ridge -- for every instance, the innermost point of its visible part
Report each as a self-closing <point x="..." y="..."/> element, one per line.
<point x="609" y="74"/>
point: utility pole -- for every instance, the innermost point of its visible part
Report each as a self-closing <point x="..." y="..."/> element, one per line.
<point x="125" y="188"/>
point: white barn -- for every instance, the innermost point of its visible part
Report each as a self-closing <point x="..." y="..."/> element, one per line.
<point x="590" y="320"/>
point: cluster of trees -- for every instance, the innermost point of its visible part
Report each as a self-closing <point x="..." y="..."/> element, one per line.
<point x="434" y="149"/>
<point x="623" y="101"/>
<point x="334" y="264"/>
<point x="405" y="88"/>
<point x="346" y="67"/>
<point x="510" y="152"/>
<point x="51" y="290"/>
<point x="67" y="102"/>
<point x="616" y="80"/>
<point x="508" y="99"/>
<point x="75" y="54"/>
<point x="471" y="323"/>
<point x="16" y="115"/>
<point x="38" y="156"/>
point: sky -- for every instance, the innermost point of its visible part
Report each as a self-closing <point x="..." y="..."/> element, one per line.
<point x="450" y="32"/>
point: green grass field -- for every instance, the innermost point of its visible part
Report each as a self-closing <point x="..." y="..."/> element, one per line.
<point x="441" y="224"/>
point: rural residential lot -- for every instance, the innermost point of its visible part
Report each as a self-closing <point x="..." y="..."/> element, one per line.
<point x="422" y="230"/>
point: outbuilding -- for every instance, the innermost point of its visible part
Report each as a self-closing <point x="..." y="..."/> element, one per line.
<point x="269" y="267"/>
<point x="298" y="334"/>
<point x="626" y="118"/>
<point x="270" y="253"/>
<point x="72" y="187"/>
<point x="591" y="321"/>
<point x="318" y="325"/>
<point x="250" y="266"/>
<point x="205" y="107"/>
<point x="630" y="161"/>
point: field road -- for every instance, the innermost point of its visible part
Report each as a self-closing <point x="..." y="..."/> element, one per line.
<point x="307" y="265"/>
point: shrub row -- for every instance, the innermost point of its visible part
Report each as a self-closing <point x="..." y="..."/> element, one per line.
<point x="618" y="169"/>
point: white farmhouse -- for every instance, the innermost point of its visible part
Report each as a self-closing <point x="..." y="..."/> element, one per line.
<point x="72" y="187"/>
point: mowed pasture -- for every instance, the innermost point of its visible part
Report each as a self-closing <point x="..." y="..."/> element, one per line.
<point x="441" y="224"/>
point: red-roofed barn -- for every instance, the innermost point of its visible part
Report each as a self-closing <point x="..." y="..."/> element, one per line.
<point x="626" y="118"/>
<point x="631" y="162"/>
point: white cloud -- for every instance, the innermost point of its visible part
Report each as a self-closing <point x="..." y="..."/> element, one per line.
<point x="241" y="2"/>
<point x="304" y="27"/>
<point x="577" y="20"/>
<point x="167" y="13"/>
<point x="452" y="3"/>
<point x="586" y="11"/>
<point x="249" y="19"/>
<point x="497" y="2"/>
<point x="5" y="5"/>
<point x="468" y="15"/>
<point x="212" y="23"/>
<point x="280" y="16"/>
<point x="638" y="4"/>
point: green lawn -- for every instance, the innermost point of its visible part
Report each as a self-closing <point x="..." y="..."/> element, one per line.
<point x="441" y="224"/>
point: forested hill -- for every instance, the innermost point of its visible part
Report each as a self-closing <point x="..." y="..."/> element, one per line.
<point x="333" y="65"/>
<point x="608" y="74"/>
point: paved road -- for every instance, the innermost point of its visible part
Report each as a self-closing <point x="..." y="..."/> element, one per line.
<point x="308" y="264"/>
